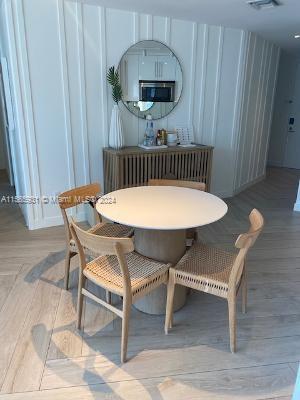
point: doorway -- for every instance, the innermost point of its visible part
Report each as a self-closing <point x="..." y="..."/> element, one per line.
<point x="6" y="127"/>
<point x="292" y="148"/>
<point x="284" y="149"/>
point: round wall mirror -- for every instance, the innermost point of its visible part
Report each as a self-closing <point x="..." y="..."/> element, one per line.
<point x="151" y="79"/>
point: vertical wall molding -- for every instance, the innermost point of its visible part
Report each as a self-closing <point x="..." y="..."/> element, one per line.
<point x="240" y="87"/>
<point x="239" y="141"/>
<point x="168" y="30"/>
<point x="103" y="69"/>
<point x="239" y="100"/>
<point x="272" y="101"/>
<point x="84" y="124"/>
<point x="217" y="87"/>
<point x="247" y="110"/>
<point x="193" y="72"/>
<point x="136" y="27"/>
<point x="168" y="22"/>
<point x="264" y="101"/>
<point x="149" y="27"/>
<point x="66" y="92"/>
<point x="203" y="85"/>
<point x="259" y="115"/>
<point x="32" y="154"/>
<point x="256" y="115"/>
<point x="135" y="39"/>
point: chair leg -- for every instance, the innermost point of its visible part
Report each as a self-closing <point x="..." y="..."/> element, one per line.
<point x="108" y="296"/>
<point x="69" y="255"/>
<point x="244" y="292"/>
<point x="170" y="299"/>
<point x="232" y="323"/>
<point x="81" y="284"/>
<point x="125" y="328"/>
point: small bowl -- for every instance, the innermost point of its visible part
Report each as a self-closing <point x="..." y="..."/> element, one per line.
<point x="172" y="137"/>
<point x="172" y="144"/>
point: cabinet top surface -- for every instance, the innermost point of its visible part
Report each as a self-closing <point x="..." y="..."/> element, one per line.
<point x="162" y="207"/>
<point x="138" y="150"/>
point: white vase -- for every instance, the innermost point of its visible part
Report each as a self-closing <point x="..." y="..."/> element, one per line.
<point x="116" y="137"/>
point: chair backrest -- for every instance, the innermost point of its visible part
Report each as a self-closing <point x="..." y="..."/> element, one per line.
<point x="79" y="195"/>
<point x="103" y="245"/>
<point x="244" y="242"/>
<point x="179" y="183"/>
<point x="74" y="197"/>
<point x="247" y="240"/>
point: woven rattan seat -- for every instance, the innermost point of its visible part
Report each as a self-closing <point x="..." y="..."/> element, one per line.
<point x="205" y="268"/>
<point x="120" y="270"/>
<point x="143" y="273"/>
<point x="106" y="229"/>
<point x="72" y="198"/>
<point x="111" y="230"/>
<point x="216" y="271"/>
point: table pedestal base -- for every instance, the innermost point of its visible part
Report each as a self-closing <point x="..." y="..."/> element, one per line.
<point x="164" y="246"/>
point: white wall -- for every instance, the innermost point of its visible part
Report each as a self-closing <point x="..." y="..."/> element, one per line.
<point x="64" y="49"/>
<point x="18" y="138"/>
<point x="287" y="104"/>
<point x="257" y="107"/>
<point x="2" y="143"/>
<point x="3" y="160"/>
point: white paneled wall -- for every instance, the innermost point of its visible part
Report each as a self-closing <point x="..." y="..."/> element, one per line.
<point x="256" y="115"/>
<point x="63" y="50"/>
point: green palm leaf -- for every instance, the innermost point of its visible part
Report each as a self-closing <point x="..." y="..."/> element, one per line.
<point x="113" y="79"/>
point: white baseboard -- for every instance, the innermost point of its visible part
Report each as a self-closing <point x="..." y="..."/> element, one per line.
<point x="223" y="195"/>
<point x="249" y="184"/>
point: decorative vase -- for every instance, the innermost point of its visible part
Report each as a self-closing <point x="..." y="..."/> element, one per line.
<point x="116" y="137"/>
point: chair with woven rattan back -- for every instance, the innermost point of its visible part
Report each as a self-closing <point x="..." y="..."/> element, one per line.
<point x="74" y="197"/>
<point x="217" y="272"/>
<point x="117" y="269"/>
<point x="191" y="234"/>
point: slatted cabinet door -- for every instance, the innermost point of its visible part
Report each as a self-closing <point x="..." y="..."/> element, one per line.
<point x="133" y="166"/>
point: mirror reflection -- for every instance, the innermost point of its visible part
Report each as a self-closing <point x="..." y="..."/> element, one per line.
<point x="151" y="79"/>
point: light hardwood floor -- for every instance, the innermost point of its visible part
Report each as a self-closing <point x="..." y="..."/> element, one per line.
<point x="42" y="356"/>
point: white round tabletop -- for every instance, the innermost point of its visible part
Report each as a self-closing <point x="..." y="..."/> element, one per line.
<point x="161" y="207"/>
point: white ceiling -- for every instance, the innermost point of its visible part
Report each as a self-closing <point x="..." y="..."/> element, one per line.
<point x="278" y="25"/>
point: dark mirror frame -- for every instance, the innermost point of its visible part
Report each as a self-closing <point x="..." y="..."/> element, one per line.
<point x="182" y="86"/>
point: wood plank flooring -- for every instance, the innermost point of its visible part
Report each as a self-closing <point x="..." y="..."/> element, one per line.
<point x="43" y="356"/>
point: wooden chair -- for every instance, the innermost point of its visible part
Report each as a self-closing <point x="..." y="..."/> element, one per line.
<point x="77" y="196"/>
<point x="191" y="234"/>
<point x="215" y="271"/>
<point x="118" y="269"/>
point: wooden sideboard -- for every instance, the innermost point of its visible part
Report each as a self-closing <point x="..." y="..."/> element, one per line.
<point x="133" y="166"/>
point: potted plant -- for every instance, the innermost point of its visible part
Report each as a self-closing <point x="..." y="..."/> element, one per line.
<point x="116" y="137"/>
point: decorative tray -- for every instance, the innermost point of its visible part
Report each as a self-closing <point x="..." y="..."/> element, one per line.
<point x="163" y="146"/>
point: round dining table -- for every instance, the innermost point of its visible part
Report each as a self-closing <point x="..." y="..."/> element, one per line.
<point x="160" y="216"/>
